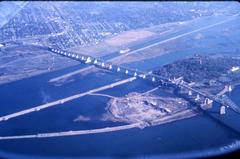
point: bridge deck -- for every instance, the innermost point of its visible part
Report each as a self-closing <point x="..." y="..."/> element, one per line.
<point x="140" y="74"/>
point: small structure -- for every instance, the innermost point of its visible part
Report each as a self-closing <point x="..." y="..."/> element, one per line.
<point x="88" y="60"/>
<point x="190" y="93"/>
<point x="153" y="79"/>
<point x="197" y="98"/>
<point x="124" y="51"/>
<point x="222" y="110"/>
<point x="229" y="88"/>
<point x="234" y="68"/>
<point x="209" y="101"/>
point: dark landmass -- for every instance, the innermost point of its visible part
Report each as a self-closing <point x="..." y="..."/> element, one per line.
<point x="208" y="73"/>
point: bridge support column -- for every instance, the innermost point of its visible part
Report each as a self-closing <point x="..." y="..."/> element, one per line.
<point x="197" y="98"/>
<point x="153" y="79"/>
<point x="103" y="65"/>
<point x="189" y="93"/>
<point x="229" y="88"/>
<point x="209" y="102"/>
<point x="222" y="110"/>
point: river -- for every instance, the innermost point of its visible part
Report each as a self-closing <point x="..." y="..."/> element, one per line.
<point x="198" y="136"/>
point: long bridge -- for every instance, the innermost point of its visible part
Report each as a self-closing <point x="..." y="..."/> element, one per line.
<point x="223" y="100"/>
<point x="109" y="66"/>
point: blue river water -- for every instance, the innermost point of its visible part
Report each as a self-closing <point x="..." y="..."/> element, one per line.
<point x="202" y="135"/>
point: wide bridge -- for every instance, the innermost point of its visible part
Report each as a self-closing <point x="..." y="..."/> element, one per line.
<point x="223" y="100"/>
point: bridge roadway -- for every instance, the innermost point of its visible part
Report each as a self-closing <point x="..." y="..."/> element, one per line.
<point x="75" y="132"/>
<point x="179" y="115"/>
<point x="222" y="100"/>
<point x="67" y="99"/>
<point x="109" y="66"/>
<point x="120" y="69"/>
<point x="143" y="75"/>
<point x="134" y="74"/>
<point x="166" y="119"/>
<point x="230" y="103"/>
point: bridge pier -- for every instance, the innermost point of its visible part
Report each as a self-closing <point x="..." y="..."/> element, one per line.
<point x="207" y="103"/>
<point x="153" y="79"/>
<point x="222" y="110"/>
<point x="229" y="88"/>
<point x="197" y="98"/>
<point x="179" y="82"/>
<point x="103" y="64"/>
<point x="88" y="60"/>
<point x="190" y="93"/>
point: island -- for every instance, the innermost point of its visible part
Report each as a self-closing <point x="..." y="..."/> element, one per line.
<point x="213" y="74"/>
